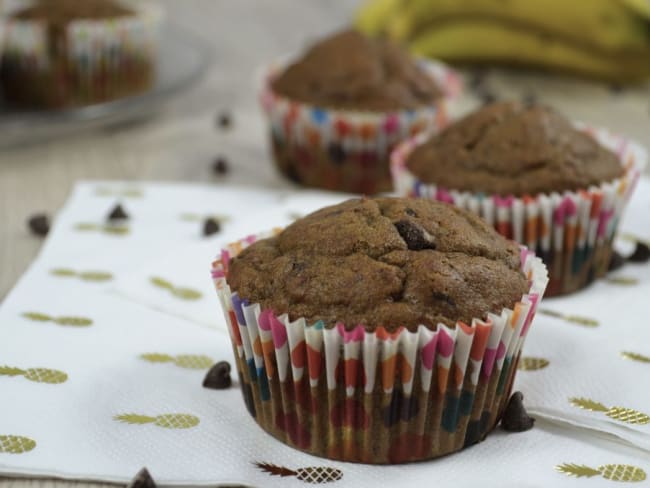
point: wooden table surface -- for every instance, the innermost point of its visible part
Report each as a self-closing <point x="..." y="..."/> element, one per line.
<point x="181" y="142"/>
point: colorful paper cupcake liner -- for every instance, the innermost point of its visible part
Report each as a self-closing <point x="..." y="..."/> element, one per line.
<point x="97" y="60"/>
<point x="571" y="231"/>
<point x="346" y="150"/>
<point x="387" y="396"/>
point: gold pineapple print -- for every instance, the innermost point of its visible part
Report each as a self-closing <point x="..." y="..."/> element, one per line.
<point x="613" y="472"/>
<point x="627" y="415"/>
<point x="574" y="319"/>
<point x="15" y="444"/>
<point x="82" y="275"/>
<point x="178" y="291"/>
<point x="635" y="357"/>
<point x="113" y="229"/>
<point x="310" y="474"/>
<point x="167" y="421"/>
<point x="528" y="363"/>
<point x="38" y="375"/>
<point x="189" y="361"/>
<point x="63" y="320"/>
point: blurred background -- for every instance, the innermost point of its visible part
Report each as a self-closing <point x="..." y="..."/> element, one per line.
<point x="195" y="115"/>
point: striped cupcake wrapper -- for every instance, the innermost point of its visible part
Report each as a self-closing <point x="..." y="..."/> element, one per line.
<point x="572" y="231"/>
<point x="386" y="396"/>
<point x="346" y="150"/>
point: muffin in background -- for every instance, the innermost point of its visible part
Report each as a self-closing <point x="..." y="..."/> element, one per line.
<point x="336" y="112"/>
<point x="68" y="53"/>
<point x="557" y="187"/>
<point x="380" y="331"/>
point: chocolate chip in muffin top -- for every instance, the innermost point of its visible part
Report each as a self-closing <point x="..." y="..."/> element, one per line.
<point x="351" y="71"/>
<point x="386" y="261"/>
<point x="509" y="148"/>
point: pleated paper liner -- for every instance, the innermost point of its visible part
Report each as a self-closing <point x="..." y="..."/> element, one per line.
<point x="572" y="232"/>
<point x="91" y="61"/>
<point x="387" y="396"/>
<point x="346" y="150"/>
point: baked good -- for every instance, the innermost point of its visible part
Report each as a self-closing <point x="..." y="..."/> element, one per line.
<point x="66" y="53"/>
<point x="554" y="186"/>
<point x="336" y="112"/>
<point x="360" y="330"/>
<point x="510" y="148"/>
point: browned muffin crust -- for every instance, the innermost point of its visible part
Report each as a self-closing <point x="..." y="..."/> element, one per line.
<point x="385" y="261"/>
<point x="508" y="148"/>
<point x="351" y="71"/>
<point x="63" y="11"/>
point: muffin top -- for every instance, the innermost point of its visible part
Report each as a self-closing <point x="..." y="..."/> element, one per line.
<point x="63" y="11"/>
<point x="351" y="71"/>
<point x="382" y="262"/>
<point x="508" y="148"/>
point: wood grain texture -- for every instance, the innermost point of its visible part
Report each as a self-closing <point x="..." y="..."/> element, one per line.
<point x="181" y="142"/>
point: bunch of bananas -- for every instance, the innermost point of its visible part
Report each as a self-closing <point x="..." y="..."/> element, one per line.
<point x="606" y="39"/>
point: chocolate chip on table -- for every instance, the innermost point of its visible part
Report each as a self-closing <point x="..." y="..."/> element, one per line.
<point x="224" y="120"/>
<point x="211" y="226"/>
<point x="415" y="237"/>
<point x="641" y="253"/>
<point x="220" y="166"/>
<point x="515" y="418"/>
<point x="142" y="480"/>
<point x="118" y="213"/>
<point x="39" y="224"/>
<point x="218" y="378"/>
<point x="616" y="261"/>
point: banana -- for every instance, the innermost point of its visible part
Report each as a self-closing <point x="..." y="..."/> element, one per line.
<point x="608" y="39"/>
<point x="485" y="42"/>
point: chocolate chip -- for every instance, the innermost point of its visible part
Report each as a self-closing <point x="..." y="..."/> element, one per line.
<point x="118" y="213"/>
<point x="410" y="211"/>
<point x="616" y="261"/>
<point x="39" y="224"/>
<point x="515" y="418"/>
<point x="444" y="297"/>
<point x="142" y="480"/>
<point x="220" y="166"/>
<point x="415" y="237"/>
<point x="224" y="120"/>
<point x="336" y="153"/>
<point x="218" y="378"/>
<point x="211" y="226"/>
<point x="641" y="253"/>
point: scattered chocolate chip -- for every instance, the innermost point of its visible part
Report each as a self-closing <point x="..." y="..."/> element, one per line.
<point x="211" y="226"/>
<point x="39" y="224"/>
<point x="142" y="480"/>
<point x="616" y="261"/>
<point x="118" y="213"/>
<point x="218" y="378"/>
<point x="515" y="418"/>
<point x="336" y="153"/>
<point x="415" y="237"/>
<point x="224" y="120"/>
<point x="220" y="166"/>
<point x="641" y="253"/>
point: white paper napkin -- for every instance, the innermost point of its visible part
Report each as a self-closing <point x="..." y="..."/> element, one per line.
<point x="69" y="429"/>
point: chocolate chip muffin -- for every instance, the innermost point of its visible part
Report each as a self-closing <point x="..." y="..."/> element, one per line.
<point x="390" y="262"/>
<point x="378" y="330"/>
<point x="351" y="71"/>
<point x="336" y="112"/>
<point x="557" y="187"/>
<point x="509" y="148"/>
<point x="66" y="53"/>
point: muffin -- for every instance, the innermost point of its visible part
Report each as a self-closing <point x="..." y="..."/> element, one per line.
<point x="67" y="53"/>
<point x="336" y="113"/>
<point x="379" y="330"/>
<point x="556" y="187"/>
